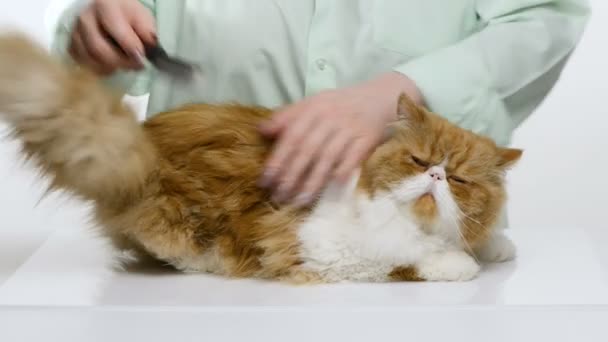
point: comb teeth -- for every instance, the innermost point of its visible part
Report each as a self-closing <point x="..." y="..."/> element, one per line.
<point x="170" y="65"/>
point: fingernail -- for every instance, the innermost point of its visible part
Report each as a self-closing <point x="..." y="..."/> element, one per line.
<point x="341" y="178"/>
<point x="266" y="179"/>
<point x="138" y="56"/>
<point x="283" y="189"/>
<point x="303" y="199"/>
<point x="279" y="197"/>
<point x="282" y="193"/>
<point x="154" y="37"/>
<point x="263" y="127"/>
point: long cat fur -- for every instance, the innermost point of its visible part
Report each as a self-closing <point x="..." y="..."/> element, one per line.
<point x="182" y="186"/>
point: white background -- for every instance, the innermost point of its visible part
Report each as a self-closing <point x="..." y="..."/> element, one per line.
<point x="55" y="286"/>
<point x="561" y="181"/>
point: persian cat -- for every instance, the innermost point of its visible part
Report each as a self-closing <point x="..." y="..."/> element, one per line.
<point x="181" y="187"/>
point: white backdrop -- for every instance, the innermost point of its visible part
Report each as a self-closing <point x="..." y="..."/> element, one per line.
<point x="560" y="181"/>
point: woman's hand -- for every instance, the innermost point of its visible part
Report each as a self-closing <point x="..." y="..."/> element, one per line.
<point x="328" y="135"/>
<point x="110" y="35"/>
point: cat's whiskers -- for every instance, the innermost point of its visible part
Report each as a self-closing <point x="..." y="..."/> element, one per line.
<point x="469" y="230"/>
<point x="469" y="217"/>
<point x="492" y="217"/>
<point x="453" y="216"/>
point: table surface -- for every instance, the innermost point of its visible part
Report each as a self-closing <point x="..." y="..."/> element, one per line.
<point x="71" y="268"/>
<point x="558" y="285"/>
<point x="56" y="284"/>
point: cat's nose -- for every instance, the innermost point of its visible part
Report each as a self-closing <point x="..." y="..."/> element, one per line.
<point x="437" y="173"/>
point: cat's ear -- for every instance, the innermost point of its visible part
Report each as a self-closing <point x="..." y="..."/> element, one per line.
<point x="409" y="111"/>
<point x="507" y="157"/>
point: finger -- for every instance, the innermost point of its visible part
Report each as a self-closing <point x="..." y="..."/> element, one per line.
<point x="308" y="152"/>
<point x="76" y="48"/>
<point x="285" y="149"/>
<point x="321" y="172"/>
<point x="79" y="52"/>
<point x="98" y="47"/>
<point x="353" y="157"/>
<point x="280" y="120"/>
<point x="114" y="23"/>
<point x="144" y="26"/>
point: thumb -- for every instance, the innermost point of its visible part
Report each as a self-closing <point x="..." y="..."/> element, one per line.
<point x="269" y="128"/>
<point x="276" y="123"/>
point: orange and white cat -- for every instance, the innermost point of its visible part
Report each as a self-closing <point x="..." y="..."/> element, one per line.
<point x="182" y="186"/>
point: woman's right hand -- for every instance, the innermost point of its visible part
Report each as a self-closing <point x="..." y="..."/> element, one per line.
<point x="110" y="35"/>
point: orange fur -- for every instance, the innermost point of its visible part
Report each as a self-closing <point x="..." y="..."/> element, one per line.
<point x="472" y="158"/>
<point x="405" y="274"/>
<point x="182" y="186"/>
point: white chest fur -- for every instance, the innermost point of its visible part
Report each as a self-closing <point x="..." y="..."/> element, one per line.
<point x="352" y="237"/>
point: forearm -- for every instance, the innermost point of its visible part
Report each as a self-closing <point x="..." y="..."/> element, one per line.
<point x="471" y="81"/>
<point x="387" y="88"/>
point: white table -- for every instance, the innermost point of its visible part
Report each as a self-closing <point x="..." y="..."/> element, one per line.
<point x="557" y="290"/>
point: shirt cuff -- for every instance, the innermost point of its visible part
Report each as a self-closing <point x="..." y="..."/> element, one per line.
<point x="455" y="84"/>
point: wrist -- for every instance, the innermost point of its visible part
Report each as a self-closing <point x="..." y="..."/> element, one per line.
<point x="408" y="86"/>
<point x="390" y="86"/>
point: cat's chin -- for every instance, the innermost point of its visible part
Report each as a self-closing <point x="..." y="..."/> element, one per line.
<point x="425" y="208"/>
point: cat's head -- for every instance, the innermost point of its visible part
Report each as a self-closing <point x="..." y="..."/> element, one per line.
<point x="451" y="180"/>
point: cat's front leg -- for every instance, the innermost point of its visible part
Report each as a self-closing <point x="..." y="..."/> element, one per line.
<point x="450" y="265"/>
<point x="436" y="260"/>
<point x="498" y="248"/>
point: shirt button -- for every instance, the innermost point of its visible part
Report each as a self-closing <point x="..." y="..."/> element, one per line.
<point x="321" y="64"/>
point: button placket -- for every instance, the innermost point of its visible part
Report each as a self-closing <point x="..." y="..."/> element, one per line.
<point x="320" y="74"/>
<point x="321" y="64"/>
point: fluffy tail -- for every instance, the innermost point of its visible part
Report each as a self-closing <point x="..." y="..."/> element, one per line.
<point x="77" y="131"/>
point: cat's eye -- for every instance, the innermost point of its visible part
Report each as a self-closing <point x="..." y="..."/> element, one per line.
<point x="420" y="162"/>
<point x="458" y="180"/>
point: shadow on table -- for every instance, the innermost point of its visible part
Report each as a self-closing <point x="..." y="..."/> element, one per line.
<point x="152" y="283"/>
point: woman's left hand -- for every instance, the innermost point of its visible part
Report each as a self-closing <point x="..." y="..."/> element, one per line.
<point x="327" y="136"/>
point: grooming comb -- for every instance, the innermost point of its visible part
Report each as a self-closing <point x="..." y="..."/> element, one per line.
<point x="174" y="67"/>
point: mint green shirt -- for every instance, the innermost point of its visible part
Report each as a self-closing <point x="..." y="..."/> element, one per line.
<point x="485" y="64"/>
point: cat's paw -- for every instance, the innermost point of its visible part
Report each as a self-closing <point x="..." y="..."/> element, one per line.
<point x="498" y="248"/>
<point x="448" y="266"/>
<point x="302" y="277"/>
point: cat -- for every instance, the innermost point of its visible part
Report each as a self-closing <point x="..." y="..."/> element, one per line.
<point x="182" y="186"/>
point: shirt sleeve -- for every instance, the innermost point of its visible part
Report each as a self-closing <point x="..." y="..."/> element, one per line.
<point x="494" y="79"/>
<point x="131" y="82"/>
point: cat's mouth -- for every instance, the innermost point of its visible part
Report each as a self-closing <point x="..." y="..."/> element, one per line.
<point x="425" y="207"/>
<point x="427" y="196"/>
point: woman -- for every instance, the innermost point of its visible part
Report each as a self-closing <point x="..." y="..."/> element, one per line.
<point x="335" y="68"/>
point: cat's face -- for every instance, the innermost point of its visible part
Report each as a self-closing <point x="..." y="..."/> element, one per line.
<point x="450" y="179"/>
